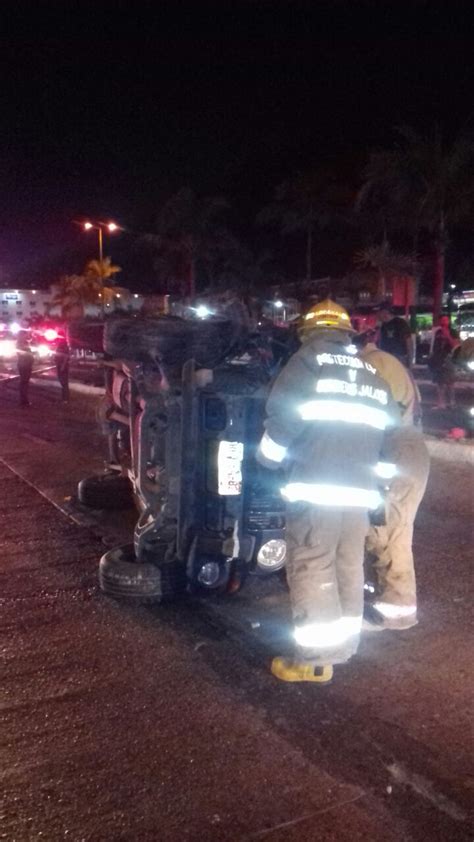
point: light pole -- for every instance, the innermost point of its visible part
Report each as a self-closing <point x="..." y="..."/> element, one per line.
<point x="99" y="226"/>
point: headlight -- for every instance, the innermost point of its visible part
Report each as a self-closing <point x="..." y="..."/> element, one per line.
<point x="272" y="555"/>
<point x="471" y="365"/>
<point x="471" y="411"/>
<point x="202" y="312"/>
<point x="43" y="350"/>
<point x="209" y="574"/>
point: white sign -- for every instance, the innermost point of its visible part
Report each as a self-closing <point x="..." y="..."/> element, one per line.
<point x="229" y="467"/>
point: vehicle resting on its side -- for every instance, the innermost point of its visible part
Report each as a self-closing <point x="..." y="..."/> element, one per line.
<point x="184" y="411"/>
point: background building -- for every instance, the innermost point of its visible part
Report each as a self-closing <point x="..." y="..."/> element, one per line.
<point x="19" y="305"/>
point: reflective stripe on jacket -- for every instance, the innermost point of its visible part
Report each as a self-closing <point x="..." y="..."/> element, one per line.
<point x="326" y="416"/>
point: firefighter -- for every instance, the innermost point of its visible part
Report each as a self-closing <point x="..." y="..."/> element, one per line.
<point x="25" y="365"/>
<point x="326" y="417"/>
<point x="390" y="545"/>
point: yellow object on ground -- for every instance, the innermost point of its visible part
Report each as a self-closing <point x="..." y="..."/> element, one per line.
<point x="287" y="670"/>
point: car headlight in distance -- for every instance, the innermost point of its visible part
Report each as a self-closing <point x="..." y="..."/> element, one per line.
<point x="7" y="348"/>
<point x="43" y="351"/>
<point x="272" y="555"/>
<point x="471" y="411"/>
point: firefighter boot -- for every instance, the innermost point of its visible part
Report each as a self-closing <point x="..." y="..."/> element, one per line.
<point x="374" y="620"/>
<point x="288" y="670"/>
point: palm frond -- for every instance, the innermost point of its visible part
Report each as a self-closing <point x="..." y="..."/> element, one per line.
<point x="387" y="261"/>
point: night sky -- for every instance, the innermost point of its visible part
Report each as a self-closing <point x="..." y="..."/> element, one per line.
<point x="109" y="108"/>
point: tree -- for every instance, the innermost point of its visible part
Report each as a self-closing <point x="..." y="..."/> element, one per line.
<point x="387" y="264"/>
<point x="228" y="263"/>
<point x="304" y="203"/>
<point x="75" y="291"/>
<point x="100" y="271"/>
<point x="423" y="185"/>
<point x="186" y="230"/>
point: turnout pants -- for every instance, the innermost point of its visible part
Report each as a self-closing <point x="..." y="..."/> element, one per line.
<point x="391" y="545"/>
<point x="326" y="580"/>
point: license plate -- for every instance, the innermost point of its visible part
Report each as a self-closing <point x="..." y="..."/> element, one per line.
<point x="229" y="467"/>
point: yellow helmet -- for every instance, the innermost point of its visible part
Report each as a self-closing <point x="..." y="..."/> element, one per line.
<point x="326" y="314"/>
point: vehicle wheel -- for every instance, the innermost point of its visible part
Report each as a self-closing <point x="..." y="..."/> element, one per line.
<point x="123" y="577"/>
<point x="106" y="491"/>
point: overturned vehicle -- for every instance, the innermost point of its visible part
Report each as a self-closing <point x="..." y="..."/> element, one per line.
<point x="183" y="412"/>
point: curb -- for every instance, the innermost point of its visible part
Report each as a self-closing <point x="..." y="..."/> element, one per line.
<point x="74" y="385"/>
<point x="451" y="451"/>
<point x="459" y="385"/>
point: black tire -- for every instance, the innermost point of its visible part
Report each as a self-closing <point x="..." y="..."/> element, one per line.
<point x="106" y="491"/>
<point x="170" y="339"/>
<point x="123" y="577"/>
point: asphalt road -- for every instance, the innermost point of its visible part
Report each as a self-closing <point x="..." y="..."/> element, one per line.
<point x="122" y="723"/>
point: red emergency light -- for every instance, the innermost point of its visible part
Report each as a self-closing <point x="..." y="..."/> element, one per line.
<point x="51" y="334"/>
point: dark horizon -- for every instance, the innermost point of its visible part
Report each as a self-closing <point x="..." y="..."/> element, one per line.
<point x="106" y="114"/>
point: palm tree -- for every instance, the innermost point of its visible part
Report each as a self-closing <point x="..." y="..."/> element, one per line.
<point x="100" y="271"/>
<point x="387" y="263"/>
<point x="73" y="292"/>
<point x="100" y="275"/>
<point x="304" y="203"/>
<point x="423" y="185"/>
<point x="186" y="231"/>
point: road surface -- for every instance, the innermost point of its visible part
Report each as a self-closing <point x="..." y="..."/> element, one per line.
<point x="127" y="723"/>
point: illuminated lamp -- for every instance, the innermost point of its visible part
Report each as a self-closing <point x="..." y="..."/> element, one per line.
<point x="51" y="334"/>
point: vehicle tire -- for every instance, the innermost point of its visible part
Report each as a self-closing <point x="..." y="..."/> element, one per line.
<point x="123" y="577"/>
<point x="106" y="491"/>
<point x="171" y="339"/>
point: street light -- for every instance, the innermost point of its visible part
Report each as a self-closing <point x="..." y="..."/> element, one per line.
<point x="100" y="226"/>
